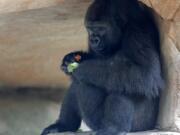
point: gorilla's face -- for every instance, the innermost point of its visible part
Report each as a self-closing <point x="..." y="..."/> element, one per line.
<point x="103" y="32"/>
<point x="103" y="38"/>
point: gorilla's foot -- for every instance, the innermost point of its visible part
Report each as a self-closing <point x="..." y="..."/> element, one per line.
<point x="54" y="128"/>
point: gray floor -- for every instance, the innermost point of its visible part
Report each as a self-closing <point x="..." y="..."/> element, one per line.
<point x="26" y="111"/>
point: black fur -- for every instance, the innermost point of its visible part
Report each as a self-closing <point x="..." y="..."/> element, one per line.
<point x="116" y="88"/>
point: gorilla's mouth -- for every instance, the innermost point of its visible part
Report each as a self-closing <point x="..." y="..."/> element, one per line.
<point x="98" y="49"/>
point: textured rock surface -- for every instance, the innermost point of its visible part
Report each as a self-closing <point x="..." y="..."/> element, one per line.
<point x="138" y="133"/>
<point x="27" y="111"/>
<point x="169" y="24"/>
<point x="170" y="106"/>
<point x="167" y="9"/>
<point x="32" y="44"/>
<point x="22" y="115"/>
<point x="19" y="5"/>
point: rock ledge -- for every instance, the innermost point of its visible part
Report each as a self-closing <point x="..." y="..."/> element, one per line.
<point x="138" y="133"/>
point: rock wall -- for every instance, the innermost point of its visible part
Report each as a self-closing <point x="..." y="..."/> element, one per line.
<point x="32" y="44"/>
<point x="20" y="5"/>
<point x="26" y="115"/>
<point x="168" y="17"/>
<point x="138" y="133"/>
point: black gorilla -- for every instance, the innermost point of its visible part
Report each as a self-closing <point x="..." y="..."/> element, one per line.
<point x="117" y="85"/>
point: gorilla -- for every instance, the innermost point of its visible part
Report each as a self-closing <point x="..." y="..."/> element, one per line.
<point x="117" y="85"/>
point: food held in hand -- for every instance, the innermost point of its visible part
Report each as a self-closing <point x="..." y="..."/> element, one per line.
<point x="72" y="66"/>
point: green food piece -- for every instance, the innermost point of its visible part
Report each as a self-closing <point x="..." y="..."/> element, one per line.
<point x="72" y="66"/>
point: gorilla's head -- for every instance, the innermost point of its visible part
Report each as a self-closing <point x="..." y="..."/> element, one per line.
<point x="105" y="21"/>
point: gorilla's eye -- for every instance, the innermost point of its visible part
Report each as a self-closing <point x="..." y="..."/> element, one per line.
<point x="97" y="30"/>
<point x="102" y="31"/>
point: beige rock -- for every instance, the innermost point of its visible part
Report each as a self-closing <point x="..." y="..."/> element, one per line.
<point x="169" y="117"/>
<point x="138" y="133"/>
<point x="147" y="2"/>
<point x="19" y="5"/>
<point x="27" y="111"/>
<point x="177" y="27"/>
<point x="177" y="31"/>
<point x="26" y="115"/>
<point x="177" y="16"/>
<point x="33" y="43"/>
<point x="172" y="33"/>
<point x="166" y="8"/>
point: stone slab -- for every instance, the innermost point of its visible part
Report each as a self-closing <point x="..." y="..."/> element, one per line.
<point x="138" y="133"/>
<point x="20" y="5"/>
<point x="23" y="115"/>
<point x="166" y="8"/>
<point x="32" y="44"/>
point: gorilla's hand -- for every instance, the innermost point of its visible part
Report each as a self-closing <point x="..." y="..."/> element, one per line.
<point x="71" y="61"/>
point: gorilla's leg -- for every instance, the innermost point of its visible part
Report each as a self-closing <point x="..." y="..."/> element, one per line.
<point x="91" y="102"/>
<point x="69" y="119"/>
<point x="118" y="115"/>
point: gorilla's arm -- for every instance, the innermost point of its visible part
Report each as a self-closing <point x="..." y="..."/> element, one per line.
<point x="136" y="69"/>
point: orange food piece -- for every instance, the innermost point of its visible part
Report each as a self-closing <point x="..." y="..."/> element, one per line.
<point x="78" y="57"/>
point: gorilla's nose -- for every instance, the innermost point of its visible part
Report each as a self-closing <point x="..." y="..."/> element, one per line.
<point x="95" y="41"/>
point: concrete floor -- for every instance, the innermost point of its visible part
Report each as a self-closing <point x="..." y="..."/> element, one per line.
<point x="25" y="114"/>
<point x="27" y="111"/>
